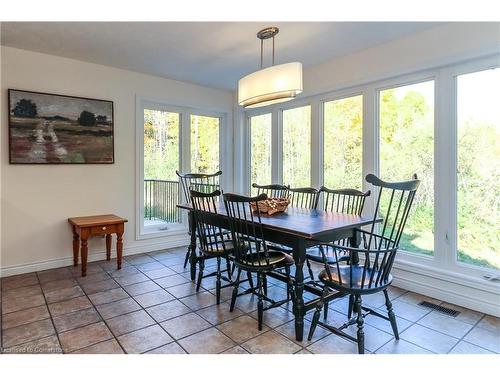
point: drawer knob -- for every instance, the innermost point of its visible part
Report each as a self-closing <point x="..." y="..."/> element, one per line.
<point x="103" y="228"/>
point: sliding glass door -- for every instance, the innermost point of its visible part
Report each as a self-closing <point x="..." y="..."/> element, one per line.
<point x="260" y="150"/>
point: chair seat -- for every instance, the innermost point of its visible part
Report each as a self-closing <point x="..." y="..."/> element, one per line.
<point x="276" y="259"/>
<point x="219" y="249"/>
<point x="343" y="283"/>
<point x="314" y="254"/>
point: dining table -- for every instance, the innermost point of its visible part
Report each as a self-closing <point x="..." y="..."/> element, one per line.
<point x="297" y="229"/>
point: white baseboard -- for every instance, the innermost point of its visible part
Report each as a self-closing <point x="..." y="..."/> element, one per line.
<point x="94" y="256"/>
<point x="485" y="301"/>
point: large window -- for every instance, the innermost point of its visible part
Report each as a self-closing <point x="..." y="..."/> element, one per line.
<point x="406" y="131"/>
<point x="161" y="160"/>
<point x="478" y="168"/>
<point x="342" y="139"/>
<point x="297" y="146"/>
<point x="204" y="144"/>
<point x="260" y="149"/>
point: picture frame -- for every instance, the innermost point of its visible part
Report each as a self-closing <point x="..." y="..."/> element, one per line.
<point x="47" y="128"/>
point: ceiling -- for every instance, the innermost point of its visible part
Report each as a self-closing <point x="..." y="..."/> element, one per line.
<point x="215" y="54"/>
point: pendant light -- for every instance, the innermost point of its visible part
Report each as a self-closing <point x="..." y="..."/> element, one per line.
<point x="276" y="84"/>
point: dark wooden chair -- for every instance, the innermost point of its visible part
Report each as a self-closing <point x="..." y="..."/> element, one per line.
<point x="272" y="191"/>
<point x="346" y="201"/>
<point x="251" y="252"/>
<point x="369" y="268"/>
<point x="213" y="243"/>
<point x="205" y="183"/>
<point x="303" y="197"/>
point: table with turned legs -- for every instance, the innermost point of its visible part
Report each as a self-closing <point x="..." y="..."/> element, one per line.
<point x="85" y="227"/>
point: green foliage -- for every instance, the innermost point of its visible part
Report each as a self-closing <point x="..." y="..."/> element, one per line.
<point x="261" y="141"/>
<point x="87" y="118"/>
<point x="297" y="147"/>
<point x="25" y="108"/>
<point x="204" y="144"/>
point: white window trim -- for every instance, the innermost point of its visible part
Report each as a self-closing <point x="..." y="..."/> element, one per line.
<point x="443" y="267"/>
<point x="185" y="113"/>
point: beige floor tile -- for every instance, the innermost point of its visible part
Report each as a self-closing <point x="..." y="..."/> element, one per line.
<point x="429" y="339"/>
<point x="242" y="328"/>
<point x="105" y="347"/>
<point x="464" y="347"/>
<point x="26" y="291"/>
<point x="401" y="347"/>
<point x="46" y="345"/>
<point x="490" y="323"/>
<point x="374" y="338"/>
<point x="288" y="330"/>
<point x="64" y="294"/>
<point x="153" y="298"/>
<point x="168" y="310"/>
<point x="441" y="323"/>
<point x="84" y="336"/>
<point x="415" y="298"/>
<point x="145" y="339"/>
<point x="138" y="259"/>
<point x="159" y="273"/>
<point x="275" y="317"/>
<point x="124" y="306"/>
<point x="18" y="281"/>
<point x="54" y="274"/>
<point x="333" y="344"/>
<point x="466" y="315"/>
<point x="76" y="319"/>
<point x="108" y="296"/>
<point x="185" y="325"/>
<point x="270" y="343"/>
<point x="99" y="286"/>
<point x="27" y="332"/>
<point x="170" y="281"/>
<point x="235" y="350"/>
<point x="484" y="338"/>
<point x="11" y="304"/>
<point x="25" y="316"/>
<point x="122" y="324"/>
<point x="55" y="285"/>
<point x="172" y="348"/>
<point x="408" y="311"/>
<point x="149" y="266"/>
<point x="93" y="278"/>
<point x="217" y="314"/>
<point x="131" y="279"/>
<point x="141" y="288"/>
<point x="385" y="325"/>
<point x="66" y="307"/>
<point x="183" y="290"/>
<point x="210" y="341"/>
<point x="199" y="301"/>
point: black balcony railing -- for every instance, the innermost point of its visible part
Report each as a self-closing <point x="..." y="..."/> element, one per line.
<point x="160" y="200"/>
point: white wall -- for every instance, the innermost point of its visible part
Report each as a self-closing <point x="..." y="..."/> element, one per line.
<point x="36" y="200"/>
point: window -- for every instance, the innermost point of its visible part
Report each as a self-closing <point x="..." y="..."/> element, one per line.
<point x="260" y="150"/>
<point x="406" y="116"/>
<point x="342" y="137"/>
<point x="297" y="146"/>
<point x="161" y="160"/>
<point x="478" y="168"/>
<point x="204" y="144"/>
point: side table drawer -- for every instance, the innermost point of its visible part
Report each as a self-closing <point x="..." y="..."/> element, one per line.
<point x="103" y="229"/>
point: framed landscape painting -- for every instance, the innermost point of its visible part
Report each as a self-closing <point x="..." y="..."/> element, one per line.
<point x="59" y="129"/>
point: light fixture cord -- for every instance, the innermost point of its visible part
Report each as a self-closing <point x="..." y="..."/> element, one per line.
<point x="273" y="50"/>
<point x="261" y="53"/>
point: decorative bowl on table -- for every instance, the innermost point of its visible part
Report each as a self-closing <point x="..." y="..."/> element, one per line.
<point x="271" y="206"/>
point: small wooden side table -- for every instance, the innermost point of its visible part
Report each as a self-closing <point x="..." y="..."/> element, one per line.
<point x="85" y="227"/>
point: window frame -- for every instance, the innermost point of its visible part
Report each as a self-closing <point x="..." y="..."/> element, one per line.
<point x="142" y="103"/>
<point x="444" y="264"/>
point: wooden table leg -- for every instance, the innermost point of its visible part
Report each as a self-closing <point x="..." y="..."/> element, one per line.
<point x="76" y="247"/>
<point x="108" y="246"/>
<point x="84" y="251"/>
<point x="299" y="257"/>
<point x="192" y="245"/>
<point x="119" y="250"/>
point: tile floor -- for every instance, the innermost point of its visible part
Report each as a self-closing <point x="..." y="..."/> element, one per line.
<point x="150" y="306"/>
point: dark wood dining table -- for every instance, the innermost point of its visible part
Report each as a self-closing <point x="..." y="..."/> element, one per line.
<point x="298" y="229"/>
